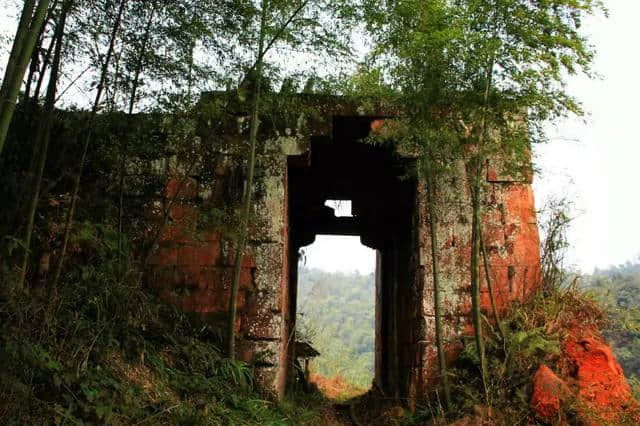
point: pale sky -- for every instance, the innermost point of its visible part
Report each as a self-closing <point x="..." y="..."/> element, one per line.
<point x="601" y="167"/>
<point x="596" y="162"/>
<point x="340" y="253"/>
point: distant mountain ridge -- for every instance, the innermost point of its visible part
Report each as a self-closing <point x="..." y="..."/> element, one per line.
<point x="617" y="289"/>
<point x="336" y="313"/>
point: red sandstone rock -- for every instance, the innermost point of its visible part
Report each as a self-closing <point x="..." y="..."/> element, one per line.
<point x="248" y="258"/>
<point x="182" y="213"/>
<point x="376" y="125"/>
<point x="602" y="386"/>
<point x="207" y="254"/>
<point x="195" y="272"/>
<point x="181" y="188"/>
<point x="602" y="395"/>
<point x="164" y="257"/>
<point x="549" y="391"/>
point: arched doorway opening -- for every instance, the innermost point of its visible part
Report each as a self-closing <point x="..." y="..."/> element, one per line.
<point x="381" y="188"/>
<point x="336" y="311"/>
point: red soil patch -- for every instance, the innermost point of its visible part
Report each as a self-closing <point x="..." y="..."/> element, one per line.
<point x="335" y="387"/>
<point x="548" y="392"/>
<point x="592" y="379"/>
<point x="602" y="386"/>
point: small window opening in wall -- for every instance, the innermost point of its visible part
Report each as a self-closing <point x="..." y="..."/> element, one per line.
<point x="341" y="208"/>
<point x="336" y="305"/>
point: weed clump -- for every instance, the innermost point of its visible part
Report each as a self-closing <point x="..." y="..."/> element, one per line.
<point x="100" y="348"/>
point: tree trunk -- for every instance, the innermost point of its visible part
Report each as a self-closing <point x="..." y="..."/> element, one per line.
<point x="29" y="181"/>
<point x="83" y="157"/>
<point x="43" y="136"/>
<point x="33" y="101"/>
<point x="33" y="68"/>
<point x="132" y="102"/>
<point x="120" y="210"/>
<point x="476" y="233"/>
<point x="42" y="72"/>
<point x="35" y="56"/>
<point x="475" y="264"/>
<point x="18" y="43"/>
<point x="492" y="296"/>
<point x="246" y="212"/>
<point x="442" y="362"/>
<point x="192" y="48"/>
<point x="26" y="35"/>
<point x="140" y="61"/>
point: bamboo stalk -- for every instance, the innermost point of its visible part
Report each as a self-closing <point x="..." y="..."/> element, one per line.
<point x="43" y="137"/>
<point x="85" y="148"/>
<point x="246" y="210"/>
<point x="17" y="66"/>
<point x="437" y="303"/>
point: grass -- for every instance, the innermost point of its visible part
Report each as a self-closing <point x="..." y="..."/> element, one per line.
<point x="534" y="334"/>
<point x="102" y="349"/>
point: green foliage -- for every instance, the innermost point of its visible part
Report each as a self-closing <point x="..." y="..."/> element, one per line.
<point x="617" y="289"/>
<point x="474" y="79"/>
<point x="102" y="349"/>
<point x="534" y="332"/>
<point x="336" y="313"/>
<point x="480" y="63"/>
<point x="555" y="217"/>
<point x="634" y="381"/>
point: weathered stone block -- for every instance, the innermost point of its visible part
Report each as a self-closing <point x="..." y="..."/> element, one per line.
<point x="188" y="275"/>
<point x="519" y="205"/>
<point x="164" y="257"/>
<point x="265" y="326"/>
<point x="211" y="277"/>
<point x="269" y="267"/>
<point x="207" y="253"/>
<point x="183" y="213"/>
<point x="450" y="331"/>
<point x="181" y="188"/>
<point x="268" y="377"/>
<point x="186" y="256"/>
<point x="171" y="234"/>
<point x="262" y="353"/>
<point x="448" y="302"/>
<point x="509" y="168"/>
<point x="264" y="302"/>
<point x="248" y="258"/>
<point x="293" y="145"/>
<point x="502" y="299"/>
<point x="269" y="215"/>
<point x="525" y="245"/>
<point x="499" y="276"/>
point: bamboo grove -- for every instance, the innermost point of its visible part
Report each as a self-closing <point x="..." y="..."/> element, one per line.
<point x="461" y="71"/>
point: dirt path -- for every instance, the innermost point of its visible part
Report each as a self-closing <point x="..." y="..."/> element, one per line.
<point x="363" y="411"/>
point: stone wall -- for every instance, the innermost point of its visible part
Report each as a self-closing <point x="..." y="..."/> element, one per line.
<point x="511" y="240"/>
<point x="193" y="267"/>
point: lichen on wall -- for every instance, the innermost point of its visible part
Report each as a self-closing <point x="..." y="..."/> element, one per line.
<point x="193" y="270"/>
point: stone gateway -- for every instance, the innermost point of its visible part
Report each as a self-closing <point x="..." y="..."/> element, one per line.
<point x="308" y="155"/>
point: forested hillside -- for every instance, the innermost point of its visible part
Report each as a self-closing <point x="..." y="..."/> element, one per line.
<point x="336" y="312"/>
<point x="618" y="290"/>
<point x="128" y="263"/>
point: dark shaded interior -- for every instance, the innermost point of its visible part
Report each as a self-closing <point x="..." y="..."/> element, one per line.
<point x="382" y="191"/>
